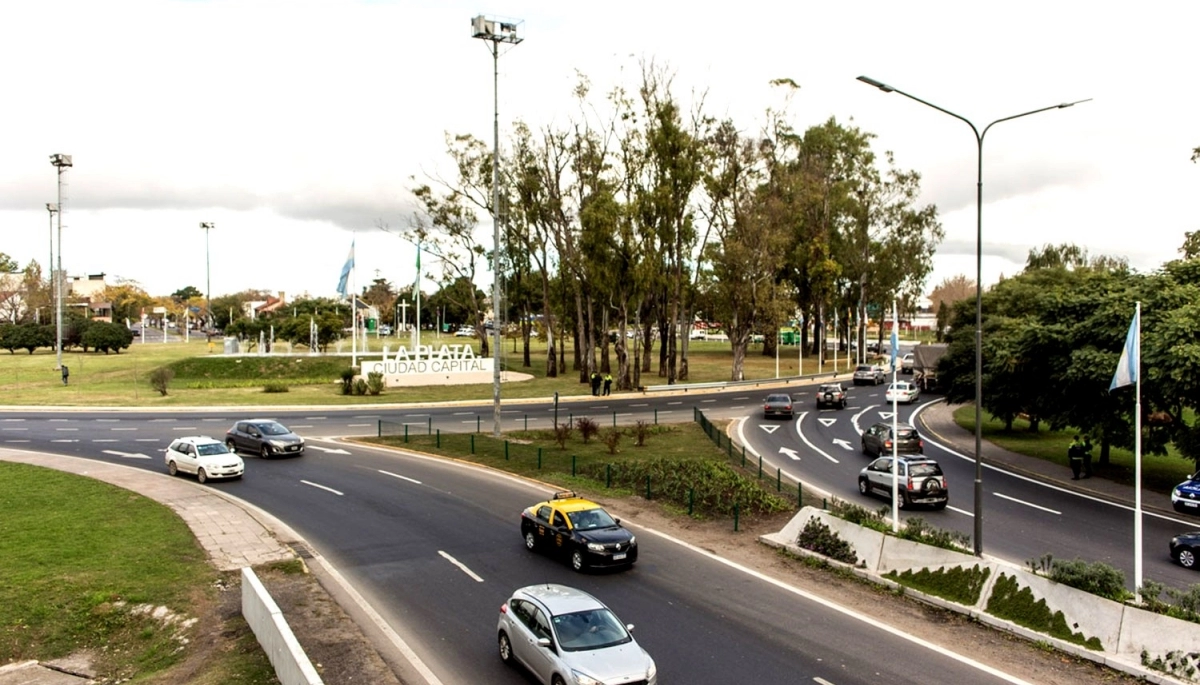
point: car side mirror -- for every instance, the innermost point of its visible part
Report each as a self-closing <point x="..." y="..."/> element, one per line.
<point x="629" y="627"/>
<point x="544" y="642"/>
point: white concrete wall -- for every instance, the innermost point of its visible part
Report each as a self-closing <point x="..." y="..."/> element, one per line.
<point x="292" y="665"/>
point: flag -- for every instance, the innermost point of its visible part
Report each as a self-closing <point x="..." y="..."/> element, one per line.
<point x="1131" y="356"/>
<point x="346" y="269"/>
<point x="418" y="283"/>
<point x="895" y="337"/>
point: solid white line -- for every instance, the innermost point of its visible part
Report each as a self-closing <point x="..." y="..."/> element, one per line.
<point x="742" y="436"/>
<point x="854" y="419"/>
<point x="962" y="511"/>
<point x="462" y="567"/>
<point x="396" y="475"/>
<point x="122" y="429"/>
<point x="357" y="425"/>
<point x="1028" y="504"/>
<point x="316" y="485"/>
<point x="806" y="441"/>
<point x="821" y="681"/>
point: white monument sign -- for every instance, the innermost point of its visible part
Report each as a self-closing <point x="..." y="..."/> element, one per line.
<point x="426" y="365"/>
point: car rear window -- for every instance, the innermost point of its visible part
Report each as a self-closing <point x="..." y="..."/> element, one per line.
<point x="924" y="470"/>
<point x="907" y="434"/>
<point x="863" y="367"/>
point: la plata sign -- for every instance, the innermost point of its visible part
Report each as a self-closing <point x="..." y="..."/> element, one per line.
<point x="426" y="365"/>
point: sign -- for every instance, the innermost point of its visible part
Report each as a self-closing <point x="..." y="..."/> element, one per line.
<point x="427" y="365"/>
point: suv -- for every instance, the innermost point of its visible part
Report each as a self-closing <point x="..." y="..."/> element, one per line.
<point x="920" y="481"/>
<point x="1185" y="497"/>
<point x="866" y="373"/>
<point x="877" y="440"/>
<point x="832" y="395"/>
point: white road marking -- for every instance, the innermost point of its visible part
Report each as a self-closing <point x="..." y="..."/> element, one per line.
<point x="145" y="440"/>
<point x="183" y="428"/>
<point x="127" y="455"/>
<point x="374" y="416"/>
<point x="600" y="406"/>
<point x="462" y="567"/>
<point x="122" y="429"/>
<point x="7" y="441"/>
<point x="108" y="420"/>
<point x="885" y="415"/>
<point x="66" y="429"/>
<point x="14" y="429"/>
<point x="160" y="420"/>
<point x="318" y="485"/>
<point x="827" y="422"/>
<point x="668" y="411"/>
<point x="821" y="681"/>
<point x="961" y="511"/>
<point x="406" y="416"/>
<point x="327" y="450"/>
<point x="396" y="475"/>
<point x="314" y="418"/>
<point x="769" y="429"/>
<point x="64" y="441"/>
<point x="811" y="446"/>
<point x="646" y="404"/>
<point x="844" y="444"/>
<point x="790" y="452"/>
<point x="736" y="399"/>
<point x="12" y="419"/>
<point x="59" y="420"/>
<point x="105" y="440"/>
<point x="854" y="419"/>
<point x="358" y="425"/>
<point x="464" y="413"/>
<point x="673" y="403"/>
<point x="1028" y="504"/>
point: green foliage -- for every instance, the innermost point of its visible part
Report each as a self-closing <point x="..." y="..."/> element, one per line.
<point x="374" y="382"/>
<point x="347" y="376"/>
<point x="1016" y="604"/>
<point x="26" y="336"/>
<point x="160" y="378"/>
<point x="1175" y="662"/>
<point x="360" y="386"/>
<point x="818" y="537"/>
<point x="562" y="433"/>
<point x="717" y="485"/>
<point x="275" y="387"/>
<point x="1183" y="604"/>
<point x="105" y="337"/>
<point x="611" y="439"/>
<point x="640" y="430"/>
<point x="957" y="584"/>
<point x="915" y="528"/>
<point x="1095" y="577"/>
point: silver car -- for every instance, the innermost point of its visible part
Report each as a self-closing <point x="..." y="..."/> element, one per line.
<point x="565" y="636"/>
<point x="868" y="373"/>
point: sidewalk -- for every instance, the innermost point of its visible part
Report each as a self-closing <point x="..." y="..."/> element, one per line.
<point x="937" y="421"/>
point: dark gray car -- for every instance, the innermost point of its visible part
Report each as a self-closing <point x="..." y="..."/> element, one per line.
<point x="264" y="437"/>
<point x="877" y="440"/>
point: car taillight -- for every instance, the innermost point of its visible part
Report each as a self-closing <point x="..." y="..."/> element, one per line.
<point x="921" y="444"/>
<point x="888" y="444"/>
<point x="504" y="608"/>
<point x="909" y="486"/>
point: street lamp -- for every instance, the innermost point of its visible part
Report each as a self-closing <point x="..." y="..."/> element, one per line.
<point x="53" y="209"/>
<point x="61" y="162"/>
<point x="486" y="29"/>
<point x="978" y="282"/>
<point x="207" y="226"/>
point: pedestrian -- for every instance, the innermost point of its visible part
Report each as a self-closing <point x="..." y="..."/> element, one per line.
<point x="1087" y="456"/>
<point x="65" y="372"/>
<point x="1075" y="457"/>
<point x="595" y="383"/>
<point x="608" y="384"/>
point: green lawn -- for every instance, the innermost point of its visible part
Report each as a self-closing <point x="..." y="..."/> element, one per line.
<point x="79" y="556"/>
<point x="1160" y="473"/>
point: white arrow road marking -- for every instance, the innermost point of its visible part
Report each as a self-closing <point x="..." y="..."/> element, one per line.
<point x="827" y="422"/>
<point x="844" y="443"/>
<point x="800" y="422"/>
<point x="396" y="475"/>
<point x="885" y="414"/>
<point x="317" y="485"/>
<point x="461" y="566"/>
<point x="328" y="450"/>
<point x="1028" y="504"/>
<point x="127" y="455"/>
<point x="790" y="452"/>
<point x="769" y="429"/>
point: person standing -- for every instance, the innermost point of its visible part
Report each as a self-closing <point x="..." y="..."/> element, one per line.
<point x="1086" y="451"/>
<point x="608" y="384"/>
<point x="66" y="373"/>
<point x="1075" y="457"/>
<point x="595" y="383"/>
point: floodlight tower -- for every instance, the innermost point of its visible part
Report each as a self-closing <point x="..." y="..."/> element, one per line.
<point x="496" y="31"/>
<point x="53" y="209"/>
<point x="207" y="226"/>
<point x="62" y="163"/>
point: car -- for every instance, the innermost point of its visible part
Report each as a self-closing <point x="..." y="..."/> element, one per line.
<point x="580" y="530"/>
<point x="868" y="373"/>
<point x="465" y="332"/>
<point x="265" y="437"/>
<point x="902" y="391"/>
<point x="203" y="456"/>
<point x="920" y="481"/>
<point x="385" y="329"/>
<point x="877" y="440"/>
<point x="831" y="395"/>
<point x="565" y="636"/>
<point x="1184" y="548"/>
<point x="697" y="335"/>
<point x="1185" y="497"/>
<point x="906" y="363"/>
<point x="778" y="405"/>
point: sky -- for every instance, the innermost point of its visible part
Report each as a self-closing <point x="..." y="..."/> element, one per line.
<point x="296" y="127"/>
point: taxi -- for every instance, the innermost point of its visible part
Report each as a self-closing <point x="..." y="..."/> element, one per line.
<point x="578" y="530"/>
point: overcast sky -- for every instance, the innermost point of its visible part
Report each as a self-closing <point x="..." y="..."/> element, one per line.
<point x="294" y="125"/>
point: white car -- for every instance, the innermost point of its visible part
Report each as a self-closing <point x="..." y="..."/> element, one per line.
<point x="203" y="456"/>
<point x="565" y="636"/>
<point x="902" y="391"/>
<point x="906" y="363"/>
<point x="465" y="332"/>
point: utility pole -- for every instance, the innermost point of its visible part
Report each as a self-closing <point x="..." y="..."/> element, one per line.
<point x="61" y="162"/>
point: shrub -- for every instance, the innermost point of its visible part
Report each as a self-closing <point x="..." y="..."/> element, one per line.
<point x="588" y="428"/>
<point x="360" y="386"/>
<point x="374" y="382"/>
<point x="916" y="529"/>
<point x="562" y="433"/>
<point x="641" y="430"/>
<point x="275" y="387"/>
<point x="717" y="486"/>
<point x="160" y="378"/>
<point x="612" y="439"/>
<point x="106" y="337"/>
<point x="348" y="380"/>
<point x="1095" y="577"/>
<point x="956" y="584"/>
<point x="819" y="538"/>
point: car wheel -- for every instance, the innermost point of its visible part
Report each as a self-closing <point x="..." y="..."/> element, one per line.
<point x="1187" y="557"/>
<point x="577" y="561"/>
<point x="172" y="469"/>
<point x="864" y="448"/>
<point x="530" y="541"/>
<point x="505" y="648"/>
<point x="843" y="405"/>
<point x="557" y="680"/>
<point x="902" y="500"/>
<point x="231" y="446"/>
<point x="863" y="487"/>
<point x="265" y="452"/>
<point x="940" y="505"/>
<point x="201" y="476"/>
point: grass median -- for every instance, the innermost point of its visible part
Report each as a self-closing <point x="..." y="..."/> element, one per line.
<point x="89" y="567"/>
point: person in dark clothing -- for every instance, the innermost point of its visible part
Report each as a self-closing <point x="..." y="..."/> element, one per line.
<point x="1086" y="450"/>
<point x="1075" y="457"/>
<point x="65" y="373"/>
<point x="608" y="384"/>
<point x="595" y="383"/>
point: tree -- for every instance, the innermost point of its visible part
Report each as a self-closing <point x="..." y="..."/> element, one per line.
<point x="104" y="337"/>
<point x="128" y="300"/>
<point x="952" y="290"/>
<point x="186" y="293"/>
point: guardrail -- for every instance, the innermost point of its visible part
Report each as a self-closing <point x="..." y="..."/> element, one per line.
<point x="740" y="384"/>
<point x="292" y="665"/>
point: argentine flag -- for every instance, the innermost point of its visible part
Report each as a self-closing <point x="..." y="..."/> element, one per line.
<point x="1131" y="355"/>
<point x="346" y="269"/>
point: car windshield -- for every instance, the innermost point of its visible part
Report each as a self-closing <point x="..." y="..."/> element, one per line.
<point x="272" y="428"/>
<point x="830" y="388"/>
<point x="923" y="470"/>
<point x="588" y="630"/>
<point x="589" y="519"/>
<point x="211" y="448"/>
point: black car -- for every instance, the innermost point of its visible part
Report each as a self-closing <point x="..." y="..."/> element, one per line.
<point x="1184" y="548"/>
<point x="264" y="437"/>
<point x="877" y="440"/>
<point x="580" y="530"/>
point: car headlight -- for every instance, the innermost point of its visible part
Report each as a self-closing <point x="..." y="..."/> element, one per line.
<point x="652" y="671"/>
<point x="279" y="444"/>
<point x="632" y="540"/>
<point x="595" y="546"/>
<point x="1175" y="493"/>
<point x="585" y="679"/>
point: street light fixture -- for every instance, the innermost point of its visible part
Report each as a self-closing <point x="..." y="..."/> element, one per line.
<point x="207" y="226"/>
<point x="496" y="31"/>
<point x="978" y="282"/>
<point x="53" y="209"/>
<point x="62" y="163"/>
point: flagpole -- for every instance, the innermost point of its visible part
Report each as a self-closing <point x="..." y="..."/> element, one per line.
<point x="353" y="309"/>
<point x="1137" y="455"/>
<point x="895" y="430"/>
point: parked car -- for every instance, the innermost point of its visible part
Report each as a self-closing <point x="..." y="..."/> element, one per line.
<point x="264" y="437"/>
<point x="563" y="635"/>
<point x="1184" y="548"/>
<point x="831" y="395"/>
<point x="877" y="439"/>
<point x="465" y="332"/>
<point x="203" y="456"/>
<point x="920" y="481"/>
<point x="902" y="391"/>
<point x="906" y="363"/>
<point x="1185" y="497"/>
<point x="697" y="335"/>
<point x="778" y="405"/>
<point x="868" y="373"/>
<point x="579" y="530"/>
<point x="385" y="329"/>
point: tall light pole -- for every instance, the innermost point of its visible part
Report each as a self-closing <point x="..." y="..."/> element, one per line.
<point x="978" y="282"/>
<point x="53" y="209"/>
<point x="495" y="32"/>
<point x="62" y="163"/>
<point x="207" y="226"/>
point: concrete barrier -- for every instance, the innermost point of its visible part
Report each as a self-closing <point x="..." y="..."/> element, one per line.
<point x="292" y="665"/>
